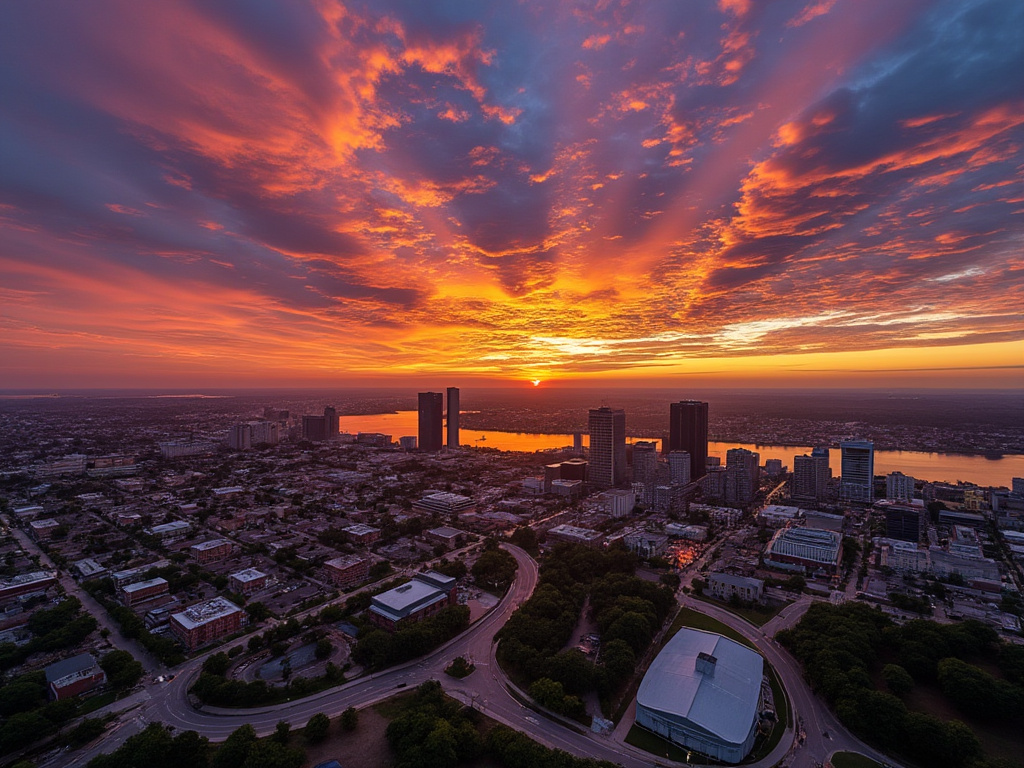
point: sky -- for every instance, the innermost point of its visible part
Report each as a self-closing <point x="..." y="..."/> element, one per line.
<point x="257" y="193"/>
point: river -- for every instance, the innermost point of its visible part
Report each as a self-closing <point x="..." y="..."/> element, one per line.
<point x="934" y="467"/>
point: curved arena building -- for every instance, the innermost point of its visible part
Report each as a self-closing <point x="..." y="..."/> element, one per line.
<point x="703" y="692"/>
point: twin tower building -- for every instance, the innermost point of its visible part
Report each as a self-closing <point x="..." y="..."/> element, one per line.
<point x="688" y="432"/>
<point x="432" y="421"/>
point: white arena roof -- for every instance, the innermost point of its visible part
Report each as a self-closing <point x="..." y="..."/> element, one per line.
<point x="723" y="702"/>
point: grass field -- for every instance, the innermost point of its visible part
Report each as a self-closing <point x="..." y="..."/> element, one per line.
<point x="649" y="742"/>
<point x="756" y="616"/>
<point x="690" y="618"/>
<point x="853" y="760"/>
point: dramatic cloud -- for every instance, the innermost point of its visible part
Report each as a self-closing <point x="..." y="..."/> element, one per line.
<point x="333" y="190"/>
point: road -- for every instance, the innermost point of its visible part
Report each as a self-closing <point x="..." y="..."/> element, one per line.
<point x="91" y="606"/>
<point x="489" y="690"/>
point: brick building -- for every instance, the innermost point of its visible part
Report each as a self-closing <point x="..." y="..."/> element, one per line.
<point x="248" y="581"/>
<point x="347" y="570"/>
<point x="210" y="551"/>
<point x="205" y="622"/>
<point x="141" y="591"/>
<point x="72" y="677"/>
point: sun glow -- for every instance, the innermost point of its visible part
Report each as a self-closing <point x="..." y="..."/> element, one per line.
<point x="535" y="382"/>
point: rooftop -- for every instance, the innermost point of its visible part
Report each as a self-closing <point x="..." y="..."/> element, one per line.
<point x="203" y="613"/>
<point x="723" y="701"/>
<point x="72" y="666"/>
<point x="204" y="545"/>
<point x="249" y="574"/>
<point x="139" y="585"/>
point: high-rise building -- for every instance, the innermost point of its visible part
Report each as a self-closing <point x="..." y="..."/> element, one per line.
<point x="240" y="437"/>
<point x="645" y="462"/>
<point x="331" y="422"/>
<point x="453" y="417"/>
<point x="679" y="467"/>
<point x="314" y="428"/>
<point x="431" y="421"/>
<point x="688" y="431"/>
<point x="811" y="474"/>
<point x="607" y="465"/>
<point x="742" y="476"/>
<point x="899" y="486"/>
<point x="857" y="470"/>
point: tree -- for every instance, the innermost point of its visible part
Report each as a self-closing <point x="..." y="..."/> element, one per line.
<point x="323" y="648"/>
<point x="217" y="664"/>
<point x="317" y="727"/>
<point x="525" y="538"/>
<point x="282" y="732"/>
<point x="257" y="612"/>
<point x="897" y="679"/>
<point x="85" y="731"/>
<point x="349" y="719"/>
<point x="235" y="749"/>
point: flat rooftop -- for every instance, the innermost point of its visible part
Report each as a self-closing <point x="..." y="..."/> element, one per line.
<point x="203" y="613"/>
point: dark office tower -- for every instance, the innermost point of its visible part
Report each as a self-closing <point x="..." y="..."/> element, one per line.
<point x="607" y="460"/>
<point x="688" y="431"/>
<point x="453" y="417"/>
<point x="314" y="428"/>
<point x="431" y="434"/>
<point x="331" y="423"/>
<point x="645" y="462"/>
<point x="857" y="467"/>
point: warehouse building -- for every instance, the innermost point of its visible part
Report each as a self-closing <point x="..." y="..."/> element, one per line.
<point x="703" y="692"/>
<point x="427" y="594"/>
<point x="805" y="550"/>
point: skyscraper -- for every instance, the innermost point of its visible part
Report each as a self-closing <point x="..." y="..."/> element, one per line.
<point x="331" y="423"/>
<point x="431" y="421"/>
<point x="607" y="466"/>
<point x="453" y="417"/>
<point x="857" y="470"/>
<point x="645" y="462"/>
<point x="679" y="467"/>
<point x="811" y="475"/>
<point x="688" y="431"/>
<point x="742" y="476"/>
<point x="899" y="486"/>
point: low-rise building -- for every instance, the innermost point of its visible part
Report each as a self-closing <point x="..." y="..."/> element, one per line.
<point x="74" y="676"/>
<point x="347" y="570"/>
<point x="205" y="622"/>
<point x="427" y="594"/>
<point x="88" y="568"/>
<point x="360" y="533"/>
<point x="725" y="585"/>
<point x="445" y="504"/>
<point x="43" y="529"/>
<point x="690" y="532"/>
<point x="777" y="515"/>
<point x="170" y="531"/>
<point x="804" y="550"/>
<point x="142" y="591"/>
<point x="248" y="581"/>
<point x="573" y="534"/>
<point x="26" y="584"/>
<point x="447" y="537"/>
<point x="210" y="551"/>
<point x="138" y="573"/>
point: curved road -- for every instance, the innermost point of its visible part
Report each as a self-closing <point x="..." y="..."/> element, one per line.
<point x="488" y="689"/>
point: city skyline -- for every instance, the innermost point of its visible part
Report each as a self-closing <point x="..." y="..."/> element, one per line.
<point x="812" y="193"/>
